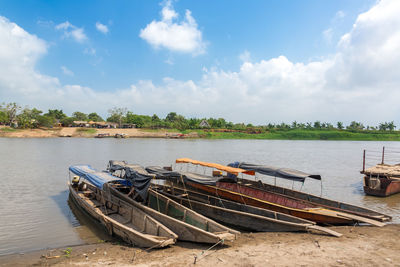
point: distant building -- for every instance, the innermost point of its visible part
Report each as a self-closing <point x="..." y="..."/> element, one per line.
<point x="128" y="125"/>
<point x="204" y="124"/>
<point x="95" y="124"/>
<point x="81" y="124"/>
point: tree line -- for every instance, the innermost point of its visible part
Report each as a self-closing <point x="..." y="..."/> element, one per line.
<point x="14" y="115"/>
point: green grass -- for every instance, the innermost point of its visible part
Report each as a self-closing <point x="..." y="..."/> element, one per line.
<point x="302" y="134"/>
<point x="86" y="130"/>
<point x="158" y="130"/>
<point x="8" y="130"/>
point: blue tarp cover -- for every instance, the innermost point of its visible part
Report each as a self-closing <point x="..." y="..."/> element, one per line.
<point x="94" y="177"/>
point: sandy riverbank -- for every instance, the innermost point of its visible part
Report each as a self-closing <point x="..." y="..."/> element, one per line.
<point x="84" y="132"/>
<point x="359" y="246"/>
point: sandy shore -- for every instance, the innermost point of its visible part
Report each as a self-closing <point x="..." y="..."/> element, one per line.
<point x="80" y="132"/>
<point x="359" y="246"/>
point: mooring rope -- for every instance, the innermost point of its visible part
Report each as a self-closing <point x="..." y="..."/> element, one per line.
<point x="184" y="188"/>
<point x="196" y="257"/>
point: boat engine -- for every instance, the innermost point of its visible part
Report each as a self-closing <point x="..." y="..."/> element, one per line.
<point x="75" y="181"/>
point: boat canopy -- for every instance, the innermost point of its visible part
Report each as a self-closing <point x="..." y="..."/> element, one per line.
<point x="228" y="169"/>
<point x="162" y="173"/>
<point x="94" y="177"/>
<point x="207" y="180"/>
<point x="135" y="174"/>
<point x="115" y="165"/>
<point x="285" y="173"/>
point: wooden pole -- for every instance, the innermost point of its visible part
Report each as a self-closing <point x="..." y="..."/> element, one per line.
<point x="383" y="155"/>
<point x="364" y="161"/>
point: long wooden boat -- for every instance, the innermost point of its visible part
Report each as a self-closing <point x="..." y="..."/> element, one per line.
<point x="120" y="218"/>
<point x="186" y="223"/>
<point x="239" y="215"/>
<point x="249" y="196"/>
<point x="277" y="202"/>
<point x="316" y="201"/>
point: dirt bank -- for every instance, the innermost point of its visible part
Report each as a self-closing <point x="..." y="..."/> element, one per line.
<point x="86" y="132"/>
<point x="359" y="246"/>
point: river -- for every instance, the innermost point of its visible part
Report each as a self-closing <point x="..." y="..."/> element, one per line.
<point x="35" y="214"/>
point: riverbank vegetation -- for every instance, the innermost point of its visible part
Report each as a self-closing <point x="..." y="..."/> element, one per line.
<point x="13" y="115"/>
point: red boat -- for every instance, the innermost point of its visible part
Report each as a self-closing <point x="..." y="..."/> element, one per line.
<point x="269" y="200"/>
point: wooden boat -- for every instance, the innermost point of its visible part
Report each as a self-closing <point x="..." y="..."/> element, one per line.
<point x="382" y="180"/>
<point x="234" y="192"/>
<point x="239" y="215"/>
<point x="186" y="223"/>
<point x="308" y="199"/>
<point x="120" y="218"/>
<point x="294" y="206"/>
<point x="261" y="198"/>
<point x="315" y="200"/>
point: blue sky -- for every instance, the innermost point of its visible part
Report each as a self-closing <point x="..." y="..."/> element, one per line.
<point x="251" y="61"/>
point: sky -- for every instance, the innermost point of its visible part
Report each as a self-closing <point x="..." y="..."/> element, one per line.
<point x="246" y="61"/>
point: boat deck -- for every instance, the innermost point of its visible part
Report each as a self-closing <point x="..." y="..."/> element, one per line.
<point x="392" y="171"/>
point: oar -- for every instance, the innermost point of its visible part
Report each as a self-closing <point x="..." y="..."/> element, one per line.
<point x="351" y="217"/>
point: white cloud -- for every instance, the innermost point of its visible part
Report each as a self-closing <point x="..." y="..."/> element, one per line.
<point x="71" y="31"/>
<point x="89" y="51"/>
<point x="67" y="71"/>
<point x="245" y="56"/>
<point x="360" y="81"/>
<point x="328" y="35"/>
<point x="179" y="36"/>
<point x="101" y="28"/>
<point x="339" y="15"/>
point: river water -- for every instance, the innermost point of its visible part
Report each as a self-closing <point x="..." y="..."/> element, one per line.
<point x="35" y="214"/>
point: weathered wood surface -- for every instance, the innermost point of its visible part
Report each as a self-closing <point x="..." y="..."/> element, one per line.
<point x="384" y="170"/>
<point x="310" y="199"/>
<point x="296" y="208"/>
<point x="192" y="226"/>
<point x="239" y="215"/>
<point x="124" y="220"/>
<point x="309" y="214"/>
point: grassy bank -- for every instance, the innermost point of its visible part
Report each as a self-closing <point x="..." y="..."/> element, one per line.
<point x="303" y="134"/>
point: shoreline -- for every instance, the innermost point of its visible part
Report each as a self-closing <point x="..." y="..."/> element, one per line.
<point x="296" y="134"/>
<point x="359" y="246"/>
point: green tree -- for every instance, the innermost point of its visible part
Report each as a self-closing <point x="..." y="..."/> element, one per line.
<point x="171" y="117"/>
<point x="28" y="118"/>
<point x="3" y="117"/>
<point x="79" y="116"/>
<point x="355" y="126"/>
<point x="339" y="125"/>
<point x="134" y="119"/>
<point x="391" y="126"/>
<point x="317" y="125"/>
<point x="117" y="115"/>
<point x="94" y="117"/>
<point x="55" y="113"/>
<point x="67" y="121"/>
<point x="155" y="118"/>
<point x="46" y="121"/>
<point x="10" y="110"/>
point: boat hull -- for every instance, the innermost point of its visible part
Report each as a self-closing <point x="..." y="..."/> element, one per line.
<point x="316" y="200"/>
<point x="101" y="211"/>
<point x="311" y="215"/>
<point x="187" y="224"/>
<point x="383" y="188"/>
<point x="235" y="214"/>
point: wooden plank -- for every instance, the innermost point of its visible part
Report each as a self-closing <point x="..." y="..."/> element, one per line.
<point x="324" y="230"/>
